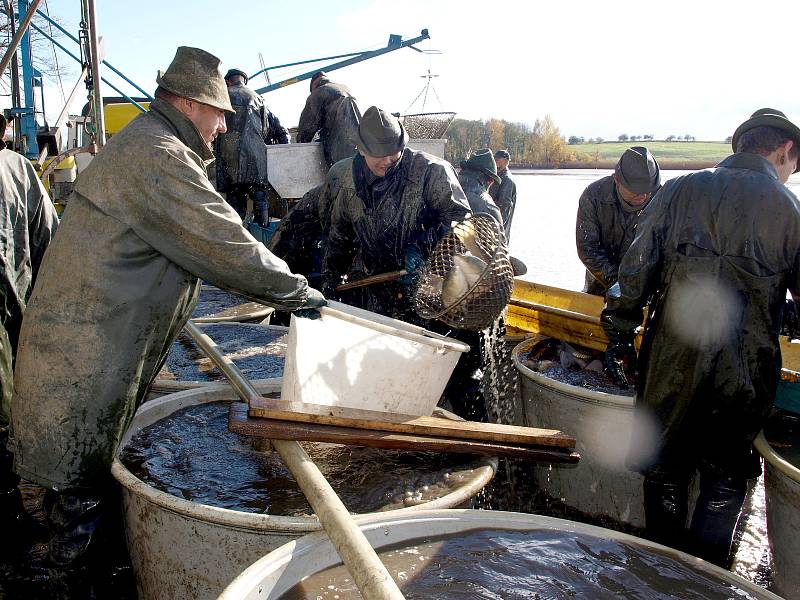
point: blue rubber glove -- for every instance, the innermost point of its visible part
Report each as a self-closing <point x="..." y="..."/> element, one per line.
<point x="413" y="265"/>
<point x="314" y="301"/>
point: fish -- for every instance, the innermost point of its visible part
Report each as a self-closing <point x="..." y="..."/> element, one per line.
<point x="462" y="276"/>
<point x="466" y="235"/>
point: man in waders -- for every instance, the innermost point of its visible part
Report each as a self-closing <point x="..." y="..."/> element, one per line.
<point x="608" y="212"/>
<point x="122" y="277"/>
<point x="713" y="256"/>
<point x="383" y="210"/>
<point x="28" y="222"/>
<point x="241" y="151"/>
<point x="332" y="111"/>
<point x="504" y="194"/>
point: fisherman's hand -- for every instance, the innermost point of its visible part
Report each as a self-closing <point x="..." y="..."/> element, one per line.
<point x="314" y="301"/>
<point x="620" y="362"/>
<point x="413" y="264"/>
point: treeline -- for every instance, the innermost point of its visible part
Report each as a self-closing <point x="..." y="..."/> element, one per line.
<point x="539" y="146"/>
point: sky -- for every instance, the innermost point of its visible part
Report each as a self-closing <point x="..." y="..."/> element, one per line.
<point x="596" y="68"/>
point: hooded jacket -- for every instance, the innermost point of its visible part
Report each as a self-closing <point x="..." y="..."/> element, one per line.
<point x="143" y="226"/>
<point x="332" y="111"/>
<point x="712" y="259"/>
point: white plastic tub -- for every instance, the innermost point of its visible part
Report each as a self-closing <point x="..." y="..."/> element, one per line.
<point x="272" y="576"/>
<point x="358" y="359"/>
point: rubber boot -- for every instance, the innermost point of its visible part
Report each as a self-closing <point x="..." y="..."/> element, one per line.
<point x="12" y="512"/>
<point x="260" y="208"/>
<point x="74" y="518"/>
<point x="716" y="514"/>
<point x="665" y="508"/>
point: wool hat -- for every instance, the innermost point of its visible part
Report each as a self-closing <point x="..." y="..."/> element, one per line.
<point x="380" y="133"/>
<point x="195" y="74"/>
<point x="767" y="117"/>
<point x="316" y="76"/>
<point x="638" y="170"/>
<point x="232" y="72"/>
<point x="483" y="161"/>
<point x="502" y="154"/>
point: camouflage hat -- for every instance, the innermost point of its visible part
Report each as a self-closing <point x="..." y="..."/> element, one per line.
<point x="638" y="171"/>
<point x="483" y="161"/>
<point x="232" y="72"/>
<point x="380" y="133"/>
<point x="195" y="74"/>
<point x="767" y="117"/>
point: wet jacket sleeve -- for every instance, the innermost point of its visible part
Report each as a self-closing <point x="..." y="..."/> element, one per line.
<point x="310" y="118"/>
<point x="338" y="246"/>
<point x="445" y="202"/>
<point x="588" y="238"/>
<point x="639" y="275"/>
<point x="276" y="133"/>
<point x="42" y="221"/>
<point x="194" y="227"/>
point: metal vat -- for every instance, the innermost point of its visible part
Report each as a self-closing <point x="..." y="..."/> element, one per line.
<point x="182" y="549"/>
<point x="275" y="574"/>
<point x="600" y="485"/>
<point x="782" y="484"/>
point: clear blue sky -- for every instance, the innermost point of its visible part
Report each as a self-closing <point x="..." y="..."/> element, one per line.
<point x="597" y="68"/>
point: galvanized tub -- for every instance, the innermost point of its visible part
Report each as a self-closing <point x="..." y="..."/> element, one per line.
<point x="600" y="485"/>
<point x="183" y="549"/>
<point x="273" y="575"/>
<point x="782" y="485"/>
<point x="162" y="385"/>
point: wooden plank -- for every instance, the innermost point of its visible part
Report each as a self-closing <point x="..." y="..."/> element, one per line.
<point x="302" y="412"/>
<point x="239" y="422"/>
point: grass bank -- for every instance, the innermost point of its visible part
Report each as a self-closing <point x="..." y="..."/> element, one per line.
<point x="675" y="155"/>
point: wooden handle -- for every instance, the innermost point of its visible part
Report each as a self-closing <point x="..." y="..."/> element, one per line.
<point x="371" y="280"/>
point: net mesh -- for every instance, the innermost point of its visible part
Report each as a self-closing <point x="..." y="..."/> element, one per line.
<point x="467" y="280"/>
<point x="427" y="126"/>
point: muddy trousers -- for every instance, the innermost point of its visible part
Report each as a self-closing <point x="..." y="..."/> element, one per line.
<point x="237" y="198"/>
<point x="715" y="516"/>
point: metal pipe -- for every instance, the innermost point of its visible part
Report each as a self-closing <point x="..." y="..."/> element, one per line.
<point x="395" y="43"/>
<point x="64" y="111"/>
<point x="303" y="62"/>
<point x="369" y="573"/>
<point x="106" y="63"/>
<point x="79" y="61"/>
<point x="23" y="27"/>
<point x="94" y="59"/>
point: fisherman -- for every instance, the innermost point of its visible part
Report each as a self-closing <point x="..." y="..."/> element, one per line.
<point x="504" y="194"/>
<point x="242" y="150"/>
<point x="143" y="225"/>
<point x="384" y="210"/>
<point x="608" y="212"/>
<point x="712" y="259"/>
<point x="332" y="111"/>
<point x="476" y="177"/>
<point x="29" y="221"/>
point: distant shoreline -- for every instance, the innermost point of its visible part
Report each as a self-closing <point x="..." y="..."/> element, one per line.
<point x="683" y="165"/>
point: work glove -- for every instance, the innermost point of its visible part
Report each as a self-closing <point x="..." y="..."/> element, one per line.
<point x="314" y="301"/>
<point x="620" y="362"/>
<point x="413" y="264"/>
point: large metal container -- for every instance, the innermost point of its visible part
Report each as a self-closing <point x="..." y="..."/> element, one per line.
<point x="782" y="485"/>
<point x="278" y="572"/>
<point x="600" y="485"/>
<point x="162" y="385"/>
<point x="183" y="549"/>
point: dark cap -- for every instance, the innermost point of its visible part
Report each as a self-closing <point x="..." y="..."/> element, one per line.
<point x="380" y="133"/>
<point x="314" y="78"/>
<point x="638" y="171"/>
<point x="195" y="74"/>
<point x="768" y="117"/>
<point x="502" y="154"/>
<point x="482" y="161"/>
<point x="232" y="72"/>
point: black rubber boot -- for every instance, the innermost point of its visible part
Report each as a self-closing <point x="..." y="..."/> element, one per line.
<point x="260" y="208"/>
<point x="237" y="198"/>
<point x="716" y="514"/>
<point x="74" y="518"/>
<point x="12" y="512"/>
<point x="665" y="508"/>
